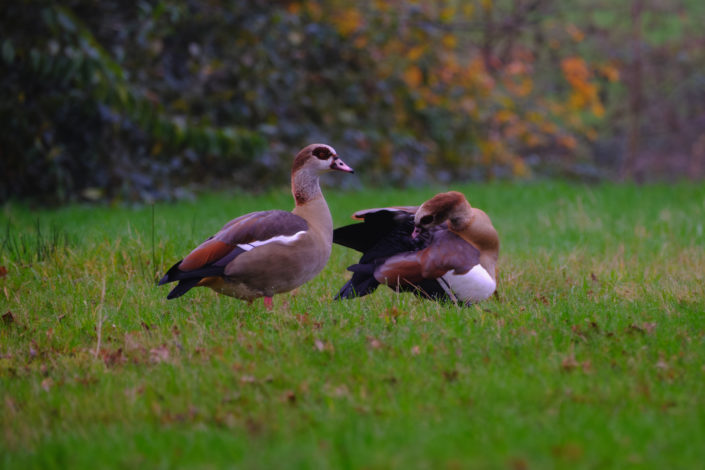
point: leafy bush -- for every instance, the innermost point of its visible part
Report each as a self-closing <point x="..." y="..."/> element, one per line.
<point x="135" y="101"/>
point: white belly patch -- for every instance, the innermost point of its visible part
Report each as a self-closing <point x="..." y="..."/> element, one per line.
<point x="285" y="239"/>
<point x="473" y="286"/>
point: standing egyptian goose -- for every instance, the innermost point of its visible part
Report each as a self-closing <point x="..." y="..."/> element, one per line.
<point x="444" y="250"/>
<point x="265" y="253"/>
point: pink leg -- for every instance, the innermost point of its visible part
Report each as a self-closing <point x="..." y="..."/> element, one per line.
<point x="268" y="303"/>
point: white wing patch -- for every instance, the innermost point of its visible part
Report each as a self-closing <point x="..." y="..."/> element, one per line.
<point x="473" y="286"/>
<point x="283" y="239"/>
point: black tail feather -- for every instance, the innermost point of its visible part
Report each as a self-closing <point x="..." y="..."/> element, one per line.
<point x="187" y="279"/>
<point x="171" y="274"/>
<point x="182" y="287"/>
<point x="361" y="284"/>
<point x="365" y="235"/>
<point x="362" y="268"/>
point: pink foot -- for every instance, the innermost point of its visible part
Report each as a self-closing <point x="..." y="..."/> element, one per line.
<point x="268" y="303"/>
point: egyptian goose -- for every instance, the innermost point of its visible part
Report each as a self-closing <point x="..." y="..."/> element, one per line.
<point x="443" y="250"/>
<point x="265" y="253"/>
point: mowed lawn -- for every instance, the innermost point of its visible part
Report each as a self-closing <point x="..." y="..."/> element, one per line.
<point x="592" y="355"/>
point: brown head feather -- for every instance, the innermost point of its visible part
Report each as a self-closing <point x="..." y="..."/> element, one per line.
<point x="320" y="151"/>
<point x="442" y="207"/>
<point x="442" y="204"/>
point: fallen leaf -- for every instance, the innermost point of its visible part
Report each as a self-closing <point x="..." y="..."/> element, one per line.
<point x="254" y="427"/>
<point x="324" y="346"/>
<point x="10" y="404"/>
<point x="289" y="397"/>
<point x="568" y="451"/>
<point x="132" y="342"/>
<point x="47" y="383"/>
<point x="644" y="328"/>
<point x="450" y="375"/>
<point x="569" y="363"/>
<point x="518" y="464"/>
<point x="159" y="354"/>
<point x="111" y="358"/>
<point x="87" y="380"/>
<point x="3" y="271"/>
<point x="304" y="320"/>
<point x="8" y="318"/>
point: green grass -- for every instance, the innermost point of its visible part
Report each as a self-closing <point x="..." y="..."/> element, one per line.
<point x="593" y="356"/>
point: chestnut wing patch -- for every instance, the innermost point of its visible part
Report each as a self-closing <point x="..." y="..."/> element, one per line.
<point x="237" y="236"/>
<point x="249" y="228"/>
<point x="446" y="252"/>
<point x="260" y="226"/>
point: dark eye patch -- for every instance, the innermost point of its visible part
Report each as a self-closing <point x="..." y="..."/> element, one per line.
<point x="322" y="153"/>
<point x="426" y="219"/>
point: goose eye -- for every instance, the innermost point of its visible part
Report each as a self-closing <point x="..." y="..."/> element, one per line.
<point x="426" y="219"/>
<point x="322" y="153"/>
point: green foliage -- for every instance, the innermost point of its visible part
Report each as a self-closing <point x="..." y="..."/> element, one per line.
<point x="102" y="100"/>
<point x="77" y="125"/>
<point x="591" y="357"/>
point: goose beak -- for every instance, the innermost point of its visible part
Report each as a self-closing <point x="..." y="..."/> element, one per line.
<point x="339" y="165"/>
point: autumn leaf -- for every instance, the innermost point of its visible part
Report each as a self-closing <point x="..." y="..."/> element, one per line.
<point x="111" y="358"/>
<point x="569" y="363"/>
<point x="413" y="76"/>
<point x="47" y="384"/>
<point x="575" y="33"/>
<point x="8" y="318"/>
<point x="348" y="21"/>
<point x="289" y="397"/>
<point x="3" y="271"/>
<point x="610" y="72"/>
<point x="159" y="354"/>
<point x="450" y="375"/>
<point x="323" y="346"/>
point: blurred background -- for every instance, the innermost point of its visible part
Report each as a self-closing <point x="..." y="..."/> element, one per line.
<point x="152" y="100"/>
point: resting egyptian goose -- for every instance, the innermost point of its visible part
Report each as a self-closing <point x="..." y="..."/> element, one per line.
<point x="269" y="252"/>
<point x="443" y="250"/>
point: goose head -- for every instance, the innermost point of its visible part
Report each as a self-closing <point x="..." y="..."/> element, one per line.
<point x="309" y="164"/>
<point x="451" y="206"/>
<point x="319" y="158"/>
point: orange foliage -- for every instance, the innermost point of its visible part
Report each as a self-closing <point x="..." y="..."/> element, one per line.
<point x="442" y="71"/>
<point x="584" y="94"/>
<point x="348" y="21"/>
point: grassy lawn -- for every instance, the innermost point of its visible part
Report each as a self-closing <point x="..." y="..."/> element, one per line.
<point x="593" y="356"/>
